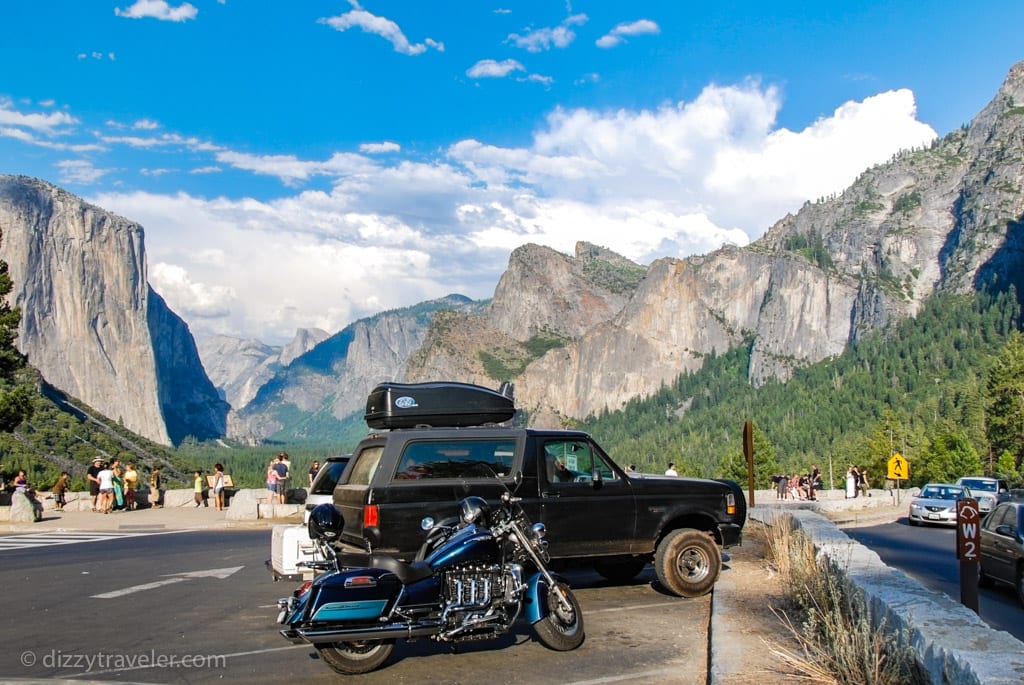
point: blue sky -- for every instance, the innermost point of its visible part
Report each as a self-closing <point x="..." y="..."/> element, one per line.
<point x="305" y="164"/>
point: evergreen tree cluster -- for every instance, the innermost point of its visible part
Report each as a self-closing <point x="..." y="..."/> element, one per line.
<point x="944" y="389"/>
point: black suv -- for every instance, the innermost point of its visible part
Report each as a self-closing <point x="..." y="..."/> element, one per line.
<point x="595" y="512"/>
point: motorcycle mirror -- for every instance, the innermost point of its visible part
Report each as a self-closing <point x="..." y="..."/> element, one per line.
<point x="427" y="523"/>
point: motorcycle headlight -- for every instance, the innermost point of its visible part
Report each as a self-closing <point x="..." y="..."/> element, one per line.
<point x="540" y="531"/>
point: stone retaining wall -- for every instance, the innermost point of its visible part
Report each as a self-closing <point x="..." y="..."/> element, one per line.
<point x="248" y="504"/>
<point x="952" y="644"/>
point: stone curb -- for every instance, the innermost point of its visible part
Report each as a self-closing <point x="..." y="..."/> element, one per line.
<point x="953" y="645"/>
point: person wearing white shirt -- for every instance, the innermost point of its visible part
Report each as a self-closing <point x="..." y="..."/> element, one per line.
<point x="671" y="471"/>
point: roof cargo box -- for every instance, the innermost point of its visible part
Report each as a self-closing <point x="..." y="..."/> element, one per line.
<point x="406" y="405"/>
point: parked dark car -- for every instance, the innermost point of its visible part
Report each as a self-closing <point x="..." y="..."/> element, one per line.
<point x="1002" y="547"/>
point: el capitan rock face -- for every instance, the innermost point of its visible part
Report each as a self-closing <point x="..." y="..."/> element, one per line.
<point x="90" y="322"/>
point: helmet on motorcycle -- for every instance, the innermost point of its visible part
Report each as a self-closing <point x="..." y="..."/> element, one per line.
<point x="325" y="523"/>
<point x="474" y="510"/>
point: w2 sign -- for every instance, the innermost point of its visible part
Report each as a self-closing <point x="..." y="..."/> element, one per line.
<point x="968" y="541"/>
<point x="968" y="530"/>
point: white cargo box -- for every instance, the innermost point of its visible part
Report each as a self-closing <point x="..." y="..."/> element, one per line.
<point x="289" y="546"/>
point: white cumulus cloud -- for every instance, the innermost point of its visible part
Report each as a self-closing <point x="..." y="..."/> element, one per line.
<point x="379" y="26"/>
<point x="634" y="28"/>
<point x="679" y="179"/>
<point x="158" y="9"/>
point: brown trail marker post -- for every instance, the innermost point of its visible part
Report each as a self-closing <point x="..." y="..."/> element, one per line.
<point x="748" y="452"/>
<point x="968" y="550"/>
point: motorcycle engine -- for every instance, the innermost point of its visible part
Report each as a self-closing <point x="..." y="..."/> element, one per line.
<point x="481" y="600"/>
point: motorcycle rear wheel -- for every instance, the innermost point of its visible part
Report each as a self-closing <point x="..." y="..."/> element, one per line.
<point x="561" y="630"/>
<point x="352" y="658"/>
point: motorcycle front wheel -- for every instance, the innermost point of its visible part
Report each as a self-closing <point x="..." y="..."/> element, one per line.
<point x="352" y="658"/>
<point x="562" y="629"/>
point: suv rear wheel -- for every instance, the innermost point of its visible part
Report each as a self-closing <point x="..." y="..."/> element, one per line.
<point x="688" y="562"/>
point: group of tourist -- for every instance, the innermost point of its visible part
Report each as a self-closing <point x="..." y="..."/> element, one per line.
<point x="799" y="486"/>
<point x="857" y="483"/>
<point x="278" y="473"/>
<point x="112" y="487"/>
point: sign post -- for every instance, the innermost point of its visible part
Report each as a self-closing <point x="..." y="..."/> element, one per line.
<point x="968" y="543"/>
<point x="748" y="452"/>
<point x="899" y="469"/>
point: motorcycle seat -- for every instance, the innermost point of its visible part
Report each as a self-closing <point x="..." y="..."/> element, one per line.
<point x="408" y="573"/>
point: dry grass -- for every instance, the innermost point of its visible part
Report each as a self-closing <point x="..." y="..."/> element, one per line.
<point x="840" y="641"/>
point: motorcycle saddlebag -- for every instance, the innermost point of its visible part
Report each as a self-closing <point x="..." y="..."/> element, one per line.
<point x="445" y="404"/>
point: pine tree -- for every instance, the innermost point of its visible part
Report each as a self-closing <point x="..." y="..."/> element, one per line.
<point x="15" y="398"/>
<point x="1005" y="399"/>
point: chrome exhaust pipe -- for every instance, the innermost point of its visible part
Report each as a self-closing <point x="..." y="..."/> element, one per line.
<point x="388" y="632"/>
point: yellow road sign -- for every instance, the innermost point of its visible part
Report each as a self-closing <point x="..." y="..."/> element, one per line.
<point x="899" y="468"/>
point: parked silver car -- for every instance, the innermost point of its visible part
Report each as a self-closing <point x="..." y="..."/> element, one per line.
<point x="988" y="491"/>
<point x="1002" y="547"/>
<point x="936" y="504"/>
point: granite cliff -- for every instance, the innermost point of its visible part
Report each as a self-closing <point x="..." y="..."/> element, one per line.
<point x="944" y="219"/>
<point x="90" y="322"/>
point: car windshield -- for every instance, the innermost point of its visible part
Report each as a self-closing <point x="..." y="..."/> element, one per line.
<point x="939" y="492"/>
<point x="978" y="484"/>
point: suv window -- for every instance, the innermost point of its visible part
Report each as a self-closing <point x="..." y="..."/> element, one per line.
<point x="574" y="461"/>
<point x="366" y="464"/>
<point x="482" y="458"/>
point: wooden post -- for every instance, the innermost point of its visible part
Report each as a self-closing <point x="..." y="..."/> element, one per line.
<point x="968" y="550"/>
<point x="748" y="452"/>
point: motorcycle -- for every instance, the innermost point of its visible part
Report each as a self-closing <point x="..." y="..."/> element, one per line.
<point x="468" y="582"/>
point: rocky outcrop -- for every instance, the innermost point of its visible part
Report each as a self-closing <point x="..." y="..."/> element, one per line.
<point x="544" y="299"/>
<point x="90" y="322"/>
<point x="945" y="219"/>
<point x="308" y="398"/>
<point x="239" y="368"/>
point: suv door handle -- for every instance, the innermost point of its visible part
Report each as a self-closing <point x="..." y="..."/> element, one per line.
<point x="551" y="493"/>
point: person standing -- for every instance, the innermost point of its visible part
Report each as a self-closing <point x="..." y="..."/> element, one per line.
<point x="671" y="470"/>
<point x="118" y="485"/>
<point x="131" y="484"/>
<point x="851" y="483"/>
<point x="281" y="467"/>
<point x="218" y="486"/>
<point x="271" y="481"/>
<point x="105" y="502"/>
<point x="862" y="481"/>
<point x="815" y="481"/>
<point x="197" y="487"/>
<point x="60" y="491"/>
<point x="313" y="470"/>
<point x="92" y="475"/>
<point x="155" y="484"/>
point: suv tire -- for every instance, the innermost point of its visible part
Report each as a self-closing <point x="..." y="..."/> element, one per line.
<point x="688" y="562"/>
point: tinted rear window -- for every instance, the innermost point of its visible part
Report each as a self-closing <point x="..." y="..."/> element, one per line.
<point x="327" y="478"/>
<point x="456" y="459"/>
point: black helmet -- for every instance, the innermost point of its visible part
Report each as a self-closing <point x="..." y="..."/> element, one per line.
<point x="474" y="510"/>
<point x="325" y="523"/>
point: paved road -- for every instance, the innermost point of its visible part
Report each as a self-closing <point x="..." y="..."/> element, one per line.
<point x="88" y="607"/>
<point x="928" y="554"/>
